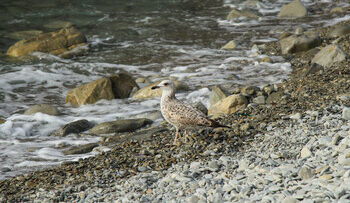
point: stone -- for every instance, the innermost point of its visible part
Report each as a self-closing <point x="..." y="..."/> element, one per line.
<point x="266" y="60"/>
<point x="82" y="149"/>
<point x="245" y="127"/>
<point x="337" y="10"/>
<point x="295" y="9"/>
<point x="274" y="97"/>
<point x="200" y="106"/>
<point x="235" y="13"/>
<point x="122" y="85"/>
<point x="147" y="92"/>
<point x="259" y="99"/>
<point x="299" y="31"/>
<point x="314" y="68"/>
<point x="2" y="121"/>
<point x="230" y="45"/>
<point x="73" y="127"/>
<point x="339" y="31"/>
<point x="306" y="173"/>
<point x="53" y="42"/>
<point x="284" y="35"/>
<point x="58" y="24"/>
<point x="329" y="55"/>
<point x="346" y="113"/>
<point x="296" y="116"/>
<point x="127" y="125"/>
<point x="74" y="50"/>
<point x="42" y="108"/>
<point x="305" y="152"/>
<point x="216" y="95"/>
<point x="325" y="177"/>
<point x="289" y="200"/>
<point x="298" y="43"/>
<point x="228" y="105"/>
<point x="20" y="35"/>
<point x="249" y="90"/>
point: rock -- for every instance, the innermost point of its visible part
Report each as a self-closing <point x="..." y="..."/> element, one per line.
<point x="266" y="60"/>
<point x="337" y="10"/>
<point x="53" y="42"/>
<point x="90" y="93"/>
<point x="115" y="86"/>
<point x="74" y="50"/>
<point x="289" y="200"/>
<point x="305" y="152"/>
<point x="216" y="95"/>
<point x="2" y="121"/>
<point x="325" y="177"/>
<point x="127" y="125"/>
<point x="346" y="113"/>
<point x="122" y="85"/>
<point x="306" y="173"/>
<point x="259" y="100"/>
<point x="25" y="34"/>
<point x="228" y="105"/>
<point x="304" y="42"/>
<point x="42" y="108"/>
<point x="73" y="127"/>
<point x="314" y="68"/>
<point x="82" y="149"/>
<point x="58" y="24"/>
<point x="268" y="89"/>
<point x="230" y="45"/>
<point x="252" y="3"/>
<point x="339" y="31"/>
<point x="147" y="92"/>
<point x="296" y="116"/>
<point x="235" y="13"/>
<point x="200" y="106"/>
<point x="295" y="9"/>
<point x="249" y="90"/>
<point x="274" y="97"/>
<point x="329" y="55"/>
<point x="245" y="127"/>
<point x="142" y="80"/>
<point x="299" y="31"/>
<point x="284" y="35"/>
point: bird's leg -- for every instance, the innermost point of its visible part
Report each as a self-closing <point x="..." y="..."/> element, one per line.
<point x="176" y="135"/>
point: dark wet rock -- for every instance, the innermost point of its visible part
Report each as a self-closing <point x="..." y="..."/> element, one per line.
<point x="200" y="106"/>
<point x="274" y="97"/>
<point x="294" y="43"/>
<point x="295" y="9"/>
<point x="216" y="95"/>
<point x="73" y="127"/>
<point x="53" y="42"/>
<point x="228" y="105"/>
<point x="235" y="13"/>
<point x="127" y="125"/>
<point x="329" y="55"/>
<point x="42" y="108"/>
<point x="115" y="86"/>
<point x="148" y="92"/>
<point x="20" y="35"/>
<point x="5" y="169"/>
<point x="82" y="149"/>
<point x="339" y="31"/>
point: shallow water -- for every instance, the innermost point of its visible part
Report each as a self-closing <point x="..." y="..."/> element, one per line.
<point x="154" y="39"/>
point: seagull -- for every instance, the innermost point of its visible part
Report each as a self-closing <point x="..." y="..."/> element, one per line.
<point x="180" y="114"/>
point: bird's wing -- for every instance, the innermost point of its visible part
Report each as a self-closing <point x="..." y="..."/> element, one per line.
<point x="187" y="115"/>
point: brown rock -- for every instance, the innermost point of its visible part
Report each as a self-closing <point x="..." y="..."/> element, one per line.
<point x="228" y="105"/>
<point x="52" y="42"/>
<point x="235" y="13"/>
<point x="147" y="92"/>
<point x="295" y="9"/>
<point x="329" y="55"/>
<point x="230" y="45"/>
<point x="43" y="108"/>
<point x="122" y="85"/>
<point x="216" y="95"/>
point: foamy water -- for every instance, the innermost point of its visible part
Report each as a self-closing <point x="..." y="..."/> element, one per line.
<point x="142" y="44"/>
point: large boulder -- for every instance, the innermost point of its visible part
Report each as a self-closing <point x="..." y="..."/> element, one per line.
<point x="53" y="42"/>
<point x="216" y="95"/>
<point x="235" y="13"/>
<point x="295" y="9"/>
<point x="42" y="108"/>
<point x="115" y="86"/>
<point x="73" y="127"/>
<point x="329" y="55"/>
<point x="147" y="92"/>
<point x="294" y="43"/>
<point x="118" y="126"/>
<point x="228" y="105"/>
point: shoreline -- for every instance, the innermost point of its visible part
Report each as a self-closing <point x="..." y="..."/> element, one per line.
<point x="305" y="91"/>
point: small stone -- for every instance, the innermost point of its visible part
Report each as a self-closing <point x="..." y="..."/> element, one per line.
<point x="245" y="127"/>
<point x="346" y="113"/>
<point x="235" y="13"/>
<point x="296" y="116"/>
<point x="259" y="99"/>
<point x="230" y="45"/>
<point x="299" y="31"/>
<point x="82" y="149"/>
<point x="289" y="200"/>
<point x="337" y="10"/>
<point x="193" y="199"/>
<point x="266" y="60"/>
<point x="294" y="9"/>
<point x="325" y="177"/>
<point x="329" y="55"/>
<point x="141" y="169"/>
<point x="213" y="166"/>
<point x="306" y="173"/>
<point x="305" y="152"/>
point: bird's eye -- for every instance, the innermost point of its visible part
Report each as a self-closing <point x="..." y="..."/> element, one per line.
<point x="166" y="84"/>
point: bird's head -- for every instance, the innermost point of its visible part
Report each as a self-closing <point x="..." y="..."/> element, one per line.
<point x="165" y="85"/>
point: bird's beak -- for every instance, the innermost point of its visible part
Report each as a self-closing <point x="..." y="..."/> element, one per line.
<point x="155" y="87"/>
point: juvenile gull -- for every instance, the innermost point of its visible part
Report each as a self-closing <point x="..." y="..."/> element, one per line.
<point x="179" y="114"/>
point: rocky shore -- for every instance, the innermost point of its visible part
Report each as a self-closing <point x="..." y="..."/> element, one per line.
<point x="289" y="142"/>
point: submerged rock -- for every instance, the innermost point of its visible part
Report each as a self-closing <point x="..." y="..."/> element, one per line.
<point x="127" y="125"/>
<point x="82" y="149"/>
<point x="295" y="9"/>
<point x="235" y="13"/>
<point x="329" y="55"/>
<point x="228" y="105"/>
<point x="115" y="86"/>
<point x="53" y="42"/>
<point x="147" y="92"/>
<point x="42" y="108"/>
<point x="298" y="43"/>
<point x="73" y="127"/>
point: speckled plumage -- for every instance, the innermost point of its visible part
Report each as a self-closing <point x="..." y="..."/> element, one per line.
<point x="179" y="114"/>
